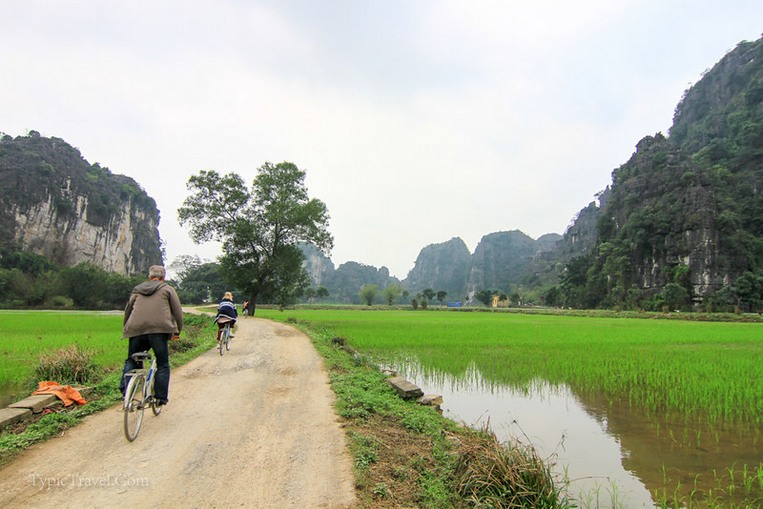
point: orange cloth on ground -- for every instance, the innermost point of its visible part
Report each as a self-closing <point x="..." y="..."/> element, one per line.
<point x="67" y="393"/>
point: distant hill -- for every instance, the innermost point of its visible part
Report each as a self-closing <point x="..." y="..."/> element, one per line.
<point x="56" y="204"/>
<point x="680" y="224"/>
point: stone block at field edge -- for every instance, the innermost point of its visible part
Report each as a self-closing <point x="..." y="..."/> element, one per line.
<point x="10" y="416"/>
<point x="405" y="389"/>
<point x="36" y="403"/>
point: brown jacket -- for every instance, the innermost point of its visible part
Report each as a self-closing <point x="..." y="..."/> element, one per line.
<point x="153" y="308"/>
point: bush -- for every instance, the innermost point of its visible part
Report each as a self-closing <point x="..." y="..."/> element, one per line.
<point x="60" y="301"/>
<point x="70" y="365"/>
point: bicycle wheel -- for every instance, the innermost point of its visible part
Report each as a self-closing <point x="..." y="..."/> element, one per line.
<point x="227" y="337"/>
<point x="221" y="342"/>
<point x="133" y="406"/>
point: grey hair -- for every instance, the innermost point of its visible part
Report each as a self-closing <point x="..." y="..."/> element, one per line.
<point x="156" y="271"/>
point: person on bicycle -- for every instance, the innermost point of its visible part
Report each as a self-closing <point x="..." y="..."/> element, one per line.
<point x="153" y="316"/>
<point x="226" y="313"/>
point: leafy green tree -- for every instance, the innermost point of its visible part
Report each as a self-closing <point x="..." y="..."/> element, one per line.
<point x="428" y="294"/>
<point x="392" y="293"/>
<point x="674" y="296"/>
<point x="749" y="290"/>
<point x="441" y="296"/>
<point x="552" y="297"/>
<point x="368" y="294"/>
<point x="258" y="227"/>
<point x="322" y="292"/>
<point x="484" y="296"/>
<point x="85" y="283"/>
<point x="201" y="283"/>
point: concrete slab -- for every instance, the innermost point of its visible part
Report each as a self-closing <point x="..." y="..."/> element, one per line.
<point x="404" y="388"/>
<point x="430" y="399"/>
<point x="10" y="416"/>
<point x="36" y="403"/>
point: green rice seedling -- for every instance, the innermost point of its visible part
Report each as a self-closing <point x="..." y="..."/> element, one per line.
<point x="25" y="335"/>
<point x="688" y="380"/>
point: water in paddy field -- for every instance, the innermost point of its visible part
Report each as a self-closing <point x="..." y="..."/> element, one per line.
<point x="611" y="455"/>
<point x="8" y="395"/>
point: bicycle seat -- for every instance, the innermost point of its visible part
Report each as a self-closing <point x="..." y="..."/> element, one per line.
<point x="140" y="356"/>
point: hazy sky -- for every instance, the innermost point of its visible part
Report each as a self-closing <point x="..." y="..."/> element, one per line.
<point x="416" y="121"/>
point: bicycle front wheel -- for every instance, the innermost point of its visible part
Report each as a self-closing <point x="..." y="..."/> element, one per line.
<point x="133" y="406"/>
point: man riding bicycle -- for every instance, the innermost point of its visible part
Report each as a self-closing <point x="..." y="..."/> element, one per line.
<point x="153" y="316"/>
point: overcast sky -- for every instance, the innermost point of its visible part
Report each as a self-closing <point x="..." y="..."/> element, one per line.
<point x="416" y="121"/>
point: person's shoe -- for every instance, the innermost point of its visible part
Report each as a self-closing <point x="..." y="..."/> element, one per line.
<point x="161" y="402"/>
<point x="231" y="336"/>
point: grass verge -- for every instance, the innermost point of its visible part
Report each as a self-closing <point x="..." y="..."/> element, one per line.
<point x="196" y="340"/>
<point x="408" y="455"/>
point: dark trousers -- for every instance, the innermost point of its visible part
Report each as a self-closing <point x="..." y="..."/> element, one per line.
<point x="159" y="344"/>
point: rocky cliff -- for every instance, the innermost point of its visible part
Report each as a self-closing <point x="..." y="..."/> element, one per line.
<point x="685" y="211"/>
<point x="56" y="204"/>
<point x="441" y="267"/>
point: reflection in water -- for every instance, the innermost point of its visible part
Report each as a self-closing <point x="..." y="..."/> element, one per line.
<point x="611" y="456"/>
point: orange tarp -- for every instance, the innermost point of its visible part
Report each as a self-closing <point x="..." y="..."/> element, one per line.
<point x="67" y="394"/>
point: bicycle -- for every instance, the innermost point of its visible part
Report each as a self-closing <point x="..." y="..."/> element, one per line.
<point x="139" y="394"/>
<point x="224" y="344"/>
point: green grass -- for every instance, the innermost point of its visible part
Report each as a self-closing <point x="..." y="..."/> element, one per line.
<point x="198" y="337"/>
<point x="709" y="370"/>
<point x="701" y="378"/>
<point x="452" y="467"/>
<point x="25" y="335"/>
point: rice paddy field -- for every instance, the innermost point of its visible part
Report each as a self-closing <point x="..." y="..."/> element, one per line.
<point x="681" y="400"/>
<point x="24" y="335"/>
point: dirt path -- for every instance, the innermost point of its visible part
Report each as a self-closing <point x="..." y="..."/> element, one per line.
<point x="254" y="428"/>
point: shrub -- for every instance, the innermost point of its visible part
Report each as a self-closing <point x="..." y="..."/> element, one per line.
<point x="60" y="301"/>
<point x="492" y="474"/>
<point x="69" y="365"/>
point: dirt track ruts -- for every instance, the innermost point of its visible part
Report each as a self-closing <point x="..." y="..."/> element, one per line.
<point x="254" y="428"/>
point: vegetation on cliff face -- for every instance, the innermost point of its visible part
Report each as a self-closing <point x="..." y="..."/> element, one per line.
<point x="36" y="170"/>
<point x="683" y="220"/>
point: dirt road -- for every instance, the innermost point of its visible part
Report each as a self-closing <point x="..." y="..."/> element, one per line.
<point x="254" y="428"/>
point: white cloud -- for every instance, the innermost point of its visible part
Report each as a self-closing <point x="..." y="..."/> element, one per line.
<point x="416" y="121"/>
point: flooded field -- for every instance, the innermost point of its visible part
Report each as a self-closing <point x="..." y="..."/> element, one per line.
<point x="637" y="411"/>
<point x="609" y="455"/>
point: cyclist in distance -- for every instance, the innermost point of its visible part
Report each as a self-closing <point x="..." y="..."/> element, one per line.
<point x="226" y="312"/>
<point x="153" y="316"/>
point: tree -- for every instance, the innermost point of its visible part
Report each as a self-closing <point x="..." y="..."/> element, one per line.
<point x="441" y="296"/>
<point x="392" y="293"/>
<point x="258" y="227"/>
<point x="674" y="296"/>
<point x="202" y="283"/>
<point x="484" y="296"/>
<point x="322" y="292"/>
<point x="368" y="294"/>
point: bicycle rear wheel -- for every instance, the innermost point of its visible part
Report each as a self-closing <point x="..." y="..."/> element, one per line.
<point x="228" y="331"/>
<point x="221" y="343"/>
<point x="133" y="406"/>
